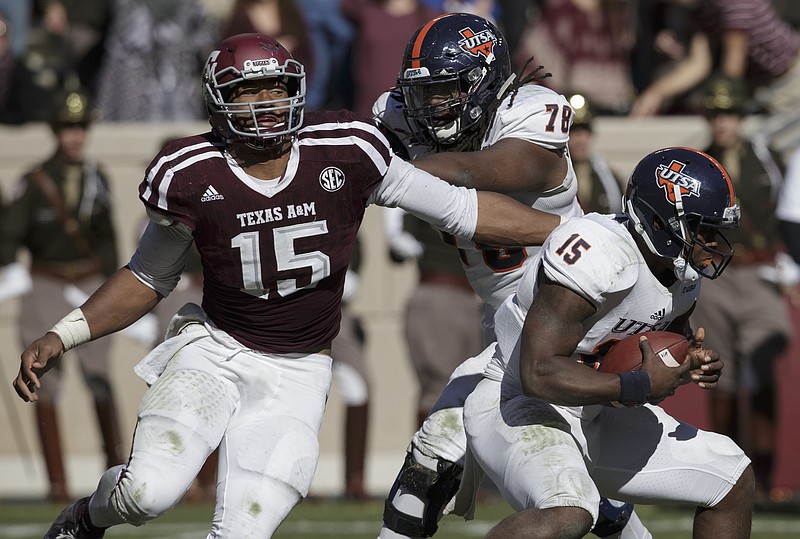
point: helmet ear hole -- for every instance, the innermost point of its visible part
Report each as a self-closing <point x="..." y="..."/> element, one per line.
<point x="658" y="223"/>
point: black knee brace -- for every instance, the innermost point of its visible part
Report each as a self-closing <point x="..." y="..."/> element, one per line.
<point x="434" y="488"/>
<point x="612" y="519"/>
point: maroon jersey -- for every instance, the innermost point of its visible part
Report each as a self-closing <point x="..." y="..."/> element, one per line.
<point x="274" y="253"/>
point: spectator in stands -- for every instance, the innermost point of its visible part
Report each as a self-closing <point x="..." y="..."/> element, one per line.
<point x="663" y="31"/>
<point x="788" y="209"/>
<point x="152" y="49"/>
<point x="80" y="26"/>
<point x="382" y="28"/>
<point x="514" y="18"/>
<point x="279" y="18"/>
<point x="330" y="87"/>
<point x="598" y="186"/>
<point x="586" y="45"/>
<point x="351" y="377"/>
<point x="437" y="341"/>
<point x="481" y="8"/>
<point x="61" y="214"/>
<point x="745" y="317"/>
<point x="20" y="98"/>
<point x="17" y="14"/>
<point x="46" y="68"/>
<point x="744" y="40"/>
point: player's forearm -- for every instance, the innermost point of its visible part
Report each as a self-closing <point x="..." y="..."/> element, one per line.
<point x="118" y="303"/>
<point x="553" y="328"/>
<point x="565" y="382"/>
<point x="509" y="166"/>
<point x="452" y="167"/>
<point x="504" y="221"/>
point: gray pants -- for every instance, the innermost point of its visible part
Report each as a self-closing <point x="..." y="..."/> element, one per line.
<point x="40" y="310"/>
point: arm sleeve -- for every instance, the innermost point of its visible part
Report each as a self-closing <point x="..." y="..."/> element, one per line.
<point x="161" y="256"/>
<point x="447" y="207"/>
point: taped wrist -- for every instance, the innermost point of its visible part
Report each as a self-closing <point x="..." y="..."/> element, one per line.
<point x="634" y="388"/>
<point x="73" y="330"/>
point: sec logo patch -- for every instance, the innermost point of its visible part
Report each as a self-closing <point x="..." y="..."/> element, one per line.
<point x="331" y="179"/>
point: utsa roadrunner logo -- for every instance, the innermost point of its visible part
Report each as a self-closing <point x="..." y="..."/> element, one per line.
<point x="480" y="44"/>
<point x="668" y="176"/>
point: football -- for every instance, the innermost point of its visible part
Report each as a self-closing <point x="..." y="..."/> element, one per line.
<point x="625" y="355"/>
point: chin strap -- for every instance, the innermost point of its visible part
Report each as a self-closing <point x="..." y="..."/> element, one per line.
<point x="683" y="271"/>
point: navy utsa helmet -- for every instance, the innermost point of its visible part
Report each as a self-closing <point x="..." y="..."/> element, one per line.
<point x="454" y="68"/>
<point x="679" y="198"/>
<point x="238" y="60"/>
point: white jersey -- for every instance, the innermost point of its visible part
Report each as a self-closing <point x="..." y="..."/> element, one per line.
<point x="596" y="257"/>
<point x="537" y="115"/>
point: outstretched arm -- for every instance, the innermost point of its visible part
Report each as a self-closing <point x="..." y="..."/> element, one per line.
<point x="482" y="216"/>
<point x="507" y="166"/>
<point x="504" y="221"/>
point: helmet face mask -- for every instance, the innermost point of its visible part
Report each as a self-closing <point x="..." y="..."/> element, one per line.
<point x="454" y="68"/>
<point x="680" y="200"/>
<point x="247" y="64"/>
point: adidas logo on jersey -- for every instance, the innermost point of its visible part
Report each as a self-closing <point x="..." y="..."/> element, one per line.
<point x="211" y="194"/>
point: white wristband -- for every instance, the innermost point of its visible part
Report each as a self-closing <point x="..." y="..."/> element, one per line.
<point x="563" y="219"/>
<point x="73" y="330"/>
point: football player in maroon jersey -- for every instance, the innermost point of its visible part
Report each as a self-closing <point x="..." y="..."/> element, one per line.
<point x="272" y="198"/>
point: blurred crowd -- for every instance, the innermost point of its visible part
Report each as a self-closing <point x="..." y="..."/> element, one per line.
<point x="629" y="57"/>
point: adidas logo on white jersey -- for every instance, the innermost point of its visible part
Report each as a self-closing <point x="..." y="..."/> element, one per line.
<point x="211" y="194"/>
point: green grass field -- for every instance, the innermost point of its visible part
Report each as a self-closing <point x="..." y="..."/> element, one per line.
<point x="342" y="520"/>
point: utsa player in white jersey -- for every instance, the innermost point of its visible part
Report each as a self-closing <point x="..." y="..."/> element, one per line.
<point x="461" y="114"/>
<point x="542" y="424"/>
<point x="272" y="198"/>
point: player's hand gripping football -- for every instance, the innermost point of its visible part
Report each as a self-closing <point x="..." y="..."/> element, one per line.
<point x="664" y="380"/>
<point x="38" y="358"/>
<point x="706" y="364"/>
